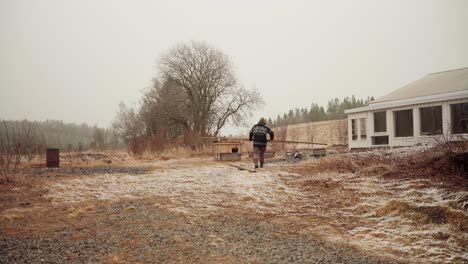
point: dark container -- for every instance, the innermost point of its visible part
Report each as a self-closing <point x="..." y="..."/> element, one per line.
<point x="53" y="158"/>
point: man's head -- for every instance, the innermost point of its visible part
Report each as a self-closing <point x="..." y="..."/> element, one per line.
<point x="262" y="121"/>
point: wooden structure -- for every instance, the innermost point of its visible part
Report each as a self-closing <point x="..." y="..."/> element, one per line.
<point x="319" y="152"/>
<point x="228" y="150"/>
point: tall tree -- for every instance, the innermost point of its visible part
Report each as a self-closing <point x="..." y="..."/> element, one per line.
<point x="211" y="94"/>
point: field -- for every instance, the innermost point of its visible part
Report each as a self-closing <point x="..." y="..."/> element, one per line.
<point x="373" y="207"/>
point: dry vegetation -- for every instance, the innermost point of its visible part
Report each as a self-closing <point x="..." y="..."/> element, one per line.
<point x="411" y="204"/>
<point x="406" y="204"/>
<point x="437" y="162"/>
<point x="426" y="214"/>
<point x="18" y="141"/>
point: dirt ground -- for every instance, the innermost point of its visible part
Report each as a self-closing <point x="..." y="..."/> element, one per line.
<point x="196" y="210"/>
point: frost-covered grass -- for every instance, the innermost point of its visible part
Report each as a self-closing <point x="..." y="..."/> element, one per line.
<point x="397" y="203"/>
<point x="191" y="189"/>
<point x="414" y="223"/>
<point x="384" y="202"/>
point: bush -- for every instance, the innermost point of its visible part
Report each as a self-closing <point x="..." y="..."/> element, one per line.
<point x="448" y="163"/>
<point x="18" y="140"/>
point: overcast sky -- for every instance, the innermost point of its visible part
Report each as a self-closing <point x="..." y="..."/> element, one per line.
<point x="76" y="60"/>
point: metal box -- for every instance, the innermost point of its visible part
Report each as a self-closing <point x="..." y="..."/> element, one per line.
<point x="53" y="158"/>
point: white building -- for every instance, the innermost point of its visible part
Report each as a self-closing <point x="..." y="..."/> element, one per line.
<point x="431" y="107"/>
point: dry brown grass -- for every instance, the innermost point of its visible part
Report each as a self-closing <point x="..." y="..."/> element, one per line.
<point x="425" y="214"/>
<point x="249" y="199"/>
<point x="364" y="209"/>
<point x="353" y="186"/>
<point x="11" y="215"/>
<point x="130" y="209"/>
<point x="393" y="207"/>
<point x="177" y="152"/>
<point x="94" y="158"/>
<point x="164" y="158"/>
<point x="77" y="237"/>
<point x="368" y="164"/>
<point x="80" y="211"/>
<point x="434" y="163"/>
<point x="24" y="192"/>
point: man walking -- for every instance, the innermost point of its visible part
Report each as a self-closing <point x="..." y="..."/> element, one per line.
<point x="258" y="134"/>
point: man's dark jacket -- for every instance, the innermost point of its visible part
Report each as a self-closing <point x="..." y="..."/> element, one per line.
<point x="258" y="134"/>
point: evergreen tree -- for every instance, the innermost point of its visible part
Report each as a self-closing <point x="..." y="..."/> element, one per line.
<point x="335" y="110"/>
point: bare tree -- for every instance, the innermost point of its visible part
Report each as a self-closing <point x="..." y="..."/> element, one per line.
<point x="12" y="147"/>
<point x="235" y="107"/>
<point x="165" y="106"/>
<point x="79" y="150"/>
<point x="129" y="125"/>
<point x="211" y="96"/>
<point x="6" y="152"/>
<point x="31" y="141"/>
<point x="24" y="142"/>
<point x="41" y="146"/>
<point x="18" y="142"/>
<point x="69" y="154"/>
<point x="98" y="138"/>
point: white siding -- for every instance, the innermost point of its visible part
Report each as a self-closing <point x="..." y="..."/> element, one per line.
<point x="402" y="141"/>
<point x="359" y="142"/>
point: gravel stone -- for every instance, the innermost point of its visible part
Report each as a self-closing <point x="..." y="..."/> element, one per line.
<point x="152" y="234"/>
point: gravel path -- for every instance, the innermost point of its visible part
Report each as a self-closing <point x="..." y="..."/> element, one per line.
<point x="98" y="170"/>
<point x="141" y="231"/>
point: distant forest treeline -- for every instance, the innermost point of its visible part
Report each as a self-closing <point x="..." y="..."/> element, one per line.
<point x="66" y="136"/>
<point x="335" y="110"/>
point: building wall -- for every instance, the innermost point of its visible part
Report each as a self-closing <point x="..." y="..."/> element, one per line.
<point x="360" y="142"/>
<point x="323" y="132"/>
<point x="401" y="141"/>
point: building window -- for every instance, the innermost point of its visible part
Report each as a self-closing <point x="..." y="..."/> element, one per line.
<point x="404" y="123"/>
<point x="459" y="118"/>
<point x="353" y="129"/>
<point x="380" y="140"/>
<point x="431" y="120"/>
<point x="363" y="127"/>
<point x="380" y="122"/>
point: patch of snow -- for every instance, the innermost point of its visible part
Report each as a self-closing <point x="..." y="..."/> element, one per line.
<point x="201" y="188"/>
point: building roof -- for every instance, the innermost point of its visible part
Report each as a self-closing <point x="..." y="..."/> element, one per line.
<point x="434" y="83"/>
<point x="438" y="86"/>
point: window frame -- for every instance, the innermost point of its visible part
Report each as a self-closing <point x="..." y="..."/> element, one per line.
<point x="463" y="115"/>
<point x="435" y="127"/>
<point x="395" y="123"/>
<point x="378" y="138"/>
<point x="384" y="123"/>
<point x="354" y="132"/>
<point x="363" y="122"/>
